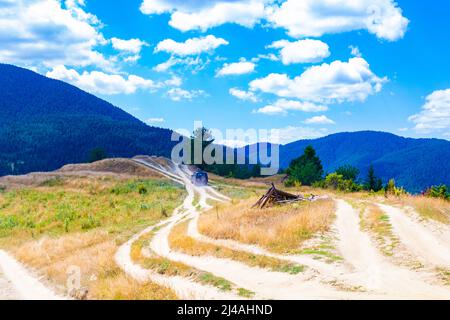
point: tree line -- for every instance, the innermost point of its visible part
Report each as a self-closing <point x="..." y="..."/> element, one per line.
<point x="308" y="170"/>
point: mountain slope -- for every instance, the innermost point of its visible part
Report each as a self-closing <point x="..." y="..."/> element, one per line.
<point x="46" y="123"/>
<point x="414" y="163"/>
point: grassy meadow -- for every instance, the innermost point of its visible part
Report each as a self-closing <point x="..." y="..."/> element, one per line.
<point x="80" y="222"/>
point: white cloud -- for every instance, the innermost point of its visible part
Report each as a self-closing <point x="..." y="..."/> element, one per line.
<point x="435" y="114"/>
<point x="269" y="56"/>
<point x="99" y="82"/>
<point x="281" y="106"/>
<point x="178" y="94"/>
<point x="43" y="33"/>
<point x="237" y="68"/>
<point x="327" y="83"/>
<point x="193" y="64"/>
<point x="175" y="81"/>
<point x="202" y="15"/>
<point x="305" y="18"/>
<point x="301" y="51"/>
<point x="155" y="120"/>
<point x="319" y="120"/>
<point x="130" y="50"/>
<point x="192" y="46"/>
<point x="314" y="18"/>
<point x="166" y="65"/>
<point x="130" y="46"/>
<point x="244" y="95"/>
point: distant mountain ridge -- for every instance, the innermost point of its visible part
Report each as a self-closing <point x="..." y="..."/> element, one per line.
<point x="46" y="123"/>
<point x="414" y="163"/>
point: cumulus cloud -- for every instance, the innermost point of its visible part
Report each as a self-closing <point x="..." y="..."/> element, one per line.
<point x="314" y="18"/>
<point x="243" y="95"/>
<point x="435" y="114"/>
<point x="327" y="83"/>
<point x="282" y="106"/>
<point x="129" y="49"/>
<point x="237" y="68"/>
<point x="102" y="83"/>
<point x="194" y="46"/>
<point x="202" y="14"/>
<point x="319" y="120"/>
<point x="178" y="94"/>
<point x="301" y="51"/>
<point x="130" y="46"/>
<point x="306" y="18"/>
<point x="44" y="33"/>
<point x="175" y="81"/>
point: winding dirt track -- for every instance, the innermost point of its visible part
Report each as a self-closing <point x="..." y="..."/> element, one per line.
<point x="364" y="267"/>
<point x="18" y="283"/>
<point x="420" y="241"/>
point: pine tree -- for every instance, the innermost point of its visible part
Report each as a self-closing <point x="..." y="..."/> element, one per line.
<point x="372" y="182"/>
<point x="307" y="169"/>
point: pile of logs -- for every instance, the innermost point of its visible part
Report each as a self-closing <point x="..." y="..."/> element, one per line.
<point x="275" y="196"/>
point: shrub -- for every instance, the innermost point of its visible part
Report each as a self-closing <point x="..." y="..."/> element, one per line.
<point x="440" y="191"/>
<point x="392" y="189"/>
<point x="142" y="189"/>
<point x="336" y="181"/>
<point x="348" y="172"/>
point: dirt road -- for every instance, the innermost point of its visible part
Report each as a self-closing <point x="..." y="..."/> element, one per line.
<point x="16" y="282"/>
<point x="364" y="267"/>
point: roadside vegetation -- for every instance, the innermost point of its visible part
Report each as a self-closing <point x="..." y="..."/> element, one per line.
<point x="78" y="223"/>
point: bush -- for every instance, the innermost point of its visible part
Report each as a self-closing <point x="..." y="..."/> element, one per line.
<point x="142" y="189"/>
<point x="348" y="172"/>
<point x="440" y="191"/>
<point x="336" y="181"/>
<point x="392" y="189"/>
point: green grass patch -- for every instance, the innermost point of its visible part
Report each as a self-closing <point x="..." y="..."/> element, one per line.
<point x="245" y="293"/>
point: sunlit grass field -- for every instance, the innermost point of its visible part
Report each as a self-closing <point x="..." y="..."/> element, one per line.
<point x="80" y="222"/>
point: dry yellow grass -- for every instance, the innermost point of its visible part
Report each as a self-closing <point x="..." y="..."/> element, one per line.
<point x="179" y="240"/>
<point x="278" y="228"/>
<point x="429" y="208"/>
<point x="76" y="224"/>
<point x="91" y="256"/>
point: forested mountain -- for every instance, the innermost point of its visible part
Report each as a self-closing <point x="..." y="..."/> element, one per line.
<point x="415" y="163"/>
<point x="46" y="123"/>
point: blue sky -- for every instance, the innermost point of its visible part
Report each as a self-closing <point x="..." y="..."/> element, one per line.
<point x="308" y="68"/>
